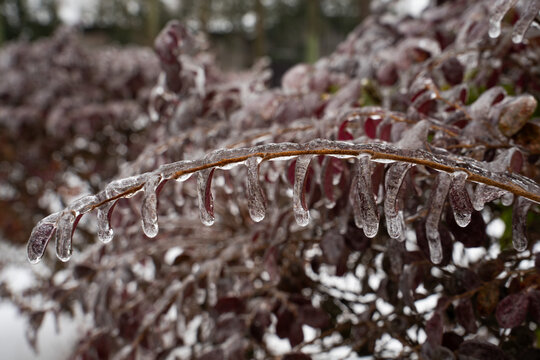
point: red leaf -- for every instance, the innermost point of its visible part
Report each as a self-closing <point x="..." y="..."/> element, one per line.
<point x="343" y="134"/>
<point x="512" y="310"/>
<point x="465" y="316"/>
<point x="434" y="329"/>
<point x="370" y="127"/>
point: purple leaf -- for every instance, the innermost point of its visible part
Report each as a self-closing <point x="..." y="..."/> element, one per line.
<point x="512" y="310"/>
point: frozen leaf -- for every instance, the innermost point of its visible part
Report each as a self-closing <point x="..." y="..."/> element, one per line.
<point x="104" y="213"/>
<point x="447" y="244"/>
<point x="516" y="112"/>
<point x="484" y="194"/>
<point x="453" y="70"/>
<point x="497" y="13"/>
<point x="512" y="310"/>
<point x="204" y="194"/>
<point x="487" y="299"/>
<point x="366" y="215"/>
<point x="296" y="356"/>
<point x="519" y="223"/>
<point x="40" y="237"/>
<point x="465" y="315"/>
<point x="333" y="248"/>
<point x="436" y="204"/>
<point x="149" y="207"/>
<point x="434" y="329"/>
<point x="459" y="199"/>
<point x="256" y="205"/>
<point x="473" y="349"/>
<point x="300" y="208"/>
<point x="394" y="217"/>
<point x="64" y="232"/>
<point x="525" y="21"/>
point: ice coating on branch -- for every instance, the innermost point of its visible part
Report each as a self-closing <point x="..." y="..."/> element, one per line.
<point x="121" y="186"/>
<point x="366" y="215"/>
<point x="394" y="217"/>
<point x="149" y="207"/>
<point x="204" y="195"/>
<point x="497" y="14"/>
<point x="301" y="211"/>
<point x="459" y="199"/>
<point x="40" y="237"/>
<point x="525" y="21"/>
<point x="436" y="204"/>
<point x="84" y="204"/>
<point x="63" y="235"/>
<point x="255" y="197"/>
<point x="519" y="223"/>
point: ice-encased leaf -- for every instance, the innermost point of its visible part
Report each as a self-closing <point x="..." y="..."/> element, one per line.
<point x="519" y="223"/>
<point x="204" y="195"/>
<point x="436" y="204"/>
<point x="105" y="231"/>
<point x="40" y="237"/>
<point x="394" y="217"/>
<point x="484" y="194"/>
<point x="459" y="199"/>
<point x="465" y="315"/>
<point x="149" y="207"/>
<point x="300" y="209"/>
<point x="512" y="310"/>
<point x="525" y="21"/>
<point x="366" y="215"/>
<point x="83" y="204"/>
<point x="497" y="14"/>
<point x="64" y="232"/>
<point x="255" y="197"/>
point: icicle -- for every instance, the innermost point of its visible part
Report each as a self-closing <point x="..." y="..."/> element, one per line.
<point x="204" y="194"/>
<point x="525" y="21"/>
<point x="301" y="211"/>
<point x="40" y="237"/>
<point x="484" y="194"/>
<point x="499" y="10"/>
<point x="519" y="223"/>
<point x="459" y="199"/>
<point x="394" y="218"/>
<point x="149" y="207"/>
<point x="365" y="209"/>
<point x="436" y="204"/>
<point x="63" y="235"/>
<point x="256" y="206"/>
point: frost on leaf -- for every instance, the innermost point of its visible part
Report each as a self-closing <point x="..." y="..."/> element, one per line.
<point x="40" y="237"/>
<point x="204" y="195"/>
<point x="394" y="216"/>
<point x="255" y="197"/>
<point x="300" y="208"/>
<point x="512" y="310"/>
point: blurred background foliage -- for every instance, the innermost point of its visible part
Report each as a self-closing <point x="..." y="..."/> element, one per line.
<point x="239" y="31"/>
